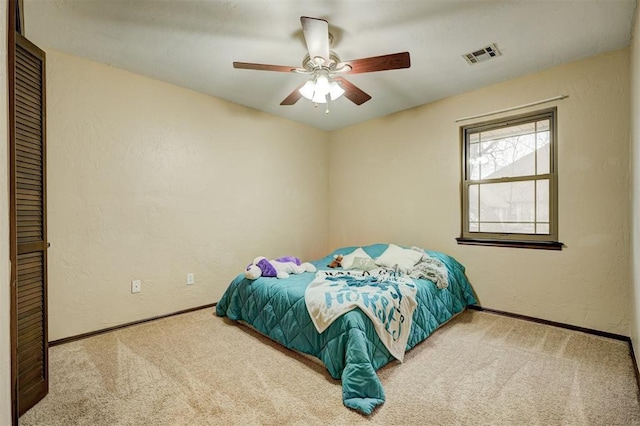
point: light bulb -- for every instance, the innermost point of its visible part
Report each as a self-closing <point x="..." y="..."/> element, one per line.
<point x="319" y="98"/>
<point x="335" y="90"/>
<point x="308" y="89"/>
<point x="322" y="85"/>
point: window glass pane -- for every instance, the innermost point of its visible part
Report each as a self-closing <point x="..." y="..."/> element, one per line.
<point x="543" y="150"/>
<point x="507" y="228"/>
<point x="473" y="203"/>
<point x="507" y="207"/>
<point x="508" y="132"/>
<point x="542" y="125"/>
<point x="507" y="152"/>
<point x="473" y="227"/>
<point x="474" y="137"/>
<point x="474" y="162"/>
<point x="542" y="200"/>
<point x="542" y="228"/>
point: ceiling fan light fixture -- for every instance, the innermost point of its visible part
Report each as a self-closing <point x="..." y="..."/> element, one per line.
<point x="319" y="88"/>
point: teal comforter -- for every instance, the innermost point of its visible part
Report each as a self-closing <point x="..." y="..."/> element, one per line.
<point x="350" y="348"/>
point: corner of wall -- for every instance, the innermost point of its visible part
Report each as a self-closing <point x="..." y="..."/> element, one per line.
<point x="634" y="144"/>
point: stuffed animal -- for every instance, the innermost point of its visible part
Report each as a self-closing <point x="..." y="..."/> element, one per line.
<point x="337" y="261"/>
<point x="280" y="267"/>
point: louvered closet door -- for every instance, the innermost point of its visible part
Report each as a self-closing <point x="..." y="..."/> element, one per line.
<point x="29" y="224"/>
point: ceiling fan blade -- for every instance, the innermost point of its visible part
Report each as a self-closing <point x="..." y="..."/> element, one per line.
<point x="393" y="61"/>
<point x="293" y="96"/>
<point x="316" y="34"/>
<point x="353" y="93"/>
<point x="263" y="67"/>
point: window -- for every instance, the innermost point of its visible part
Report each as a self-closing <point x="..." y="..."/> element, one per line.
<point x="509" y="182"/>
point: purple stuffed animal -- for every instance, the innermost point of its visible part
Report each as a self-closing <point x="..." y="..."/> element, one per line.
<point x="279" y="268"/>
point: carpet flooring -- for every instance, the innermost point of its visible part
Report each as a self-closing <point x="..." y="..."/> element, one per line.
<point x="198" y="369"/>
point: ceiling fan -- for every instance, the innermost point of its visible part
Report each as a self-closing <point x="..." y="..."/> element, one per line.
<point x="325" y="68"/>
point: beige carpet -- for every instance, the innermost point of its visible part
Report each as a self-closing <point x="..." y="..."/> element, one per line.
<point x="198" y="369"/>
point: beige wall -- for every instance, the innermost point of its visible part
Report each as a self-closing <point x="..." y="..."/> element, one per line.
<point x="397" y="179"/>
<point x="151" y="181"/>
<point x="635" y="185"/>
<point x="5" y="268"/>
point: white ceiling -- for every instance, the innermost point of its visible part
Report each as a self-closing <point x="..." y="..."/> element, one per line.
<point x="193" y="43"/>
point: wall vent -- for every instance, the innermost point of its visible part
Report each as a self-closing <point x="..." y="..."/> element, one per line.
<point x="481" y="55"/>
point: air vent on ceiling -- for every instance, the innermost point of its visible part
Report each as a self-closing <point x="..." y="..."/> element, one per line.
<point x="481" y="55"/>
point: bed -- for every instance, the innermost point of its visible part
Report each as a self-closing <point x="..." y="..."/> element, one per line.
<point x="349" y="348"/>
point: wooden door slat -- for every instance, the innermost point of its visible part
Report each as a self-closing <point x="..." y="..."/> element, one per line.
<point x="28" y="139"/>
<point x="29" y="126"/>
<point x="29" y="261"/>
<point x="30" y="74"/>
<point x="33" y="291"/>
<point x="25" y="159"/>
<point x="32" y="376"/>
<point x="25" y="62"/>
<point x="25" y="98"/>
<point x="31" y="266"/>
<point x="30" y="275"/>
<point x="24" y="256"/>
<point x="27" y="323"/>
<point x="26" y="86"/>
<point x="26" y="152"/>
<point x="29" y="286"/>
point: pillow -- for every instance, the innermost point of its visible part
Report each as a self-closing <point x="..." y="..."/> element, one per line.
<point x="347" y="259"/>
<point x="363" y="264"/>
<point x="406" y="259"/>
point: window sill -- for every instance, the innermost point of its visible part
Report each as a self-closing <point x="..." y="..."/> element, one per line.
<point x="543" y="245"/>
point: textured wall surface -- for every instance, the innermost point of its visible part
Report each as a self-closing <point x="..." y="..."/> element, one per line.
<point x="5" y="271"/>
<point x="150" y="181"/>
<point x="397" y="179"/>
<point x="635" y="185"/>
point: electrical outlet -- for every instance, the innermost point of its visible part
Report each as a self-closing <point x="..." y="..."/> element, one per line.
<point x="191" y="278"/>
<point x="136" y="286"/>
